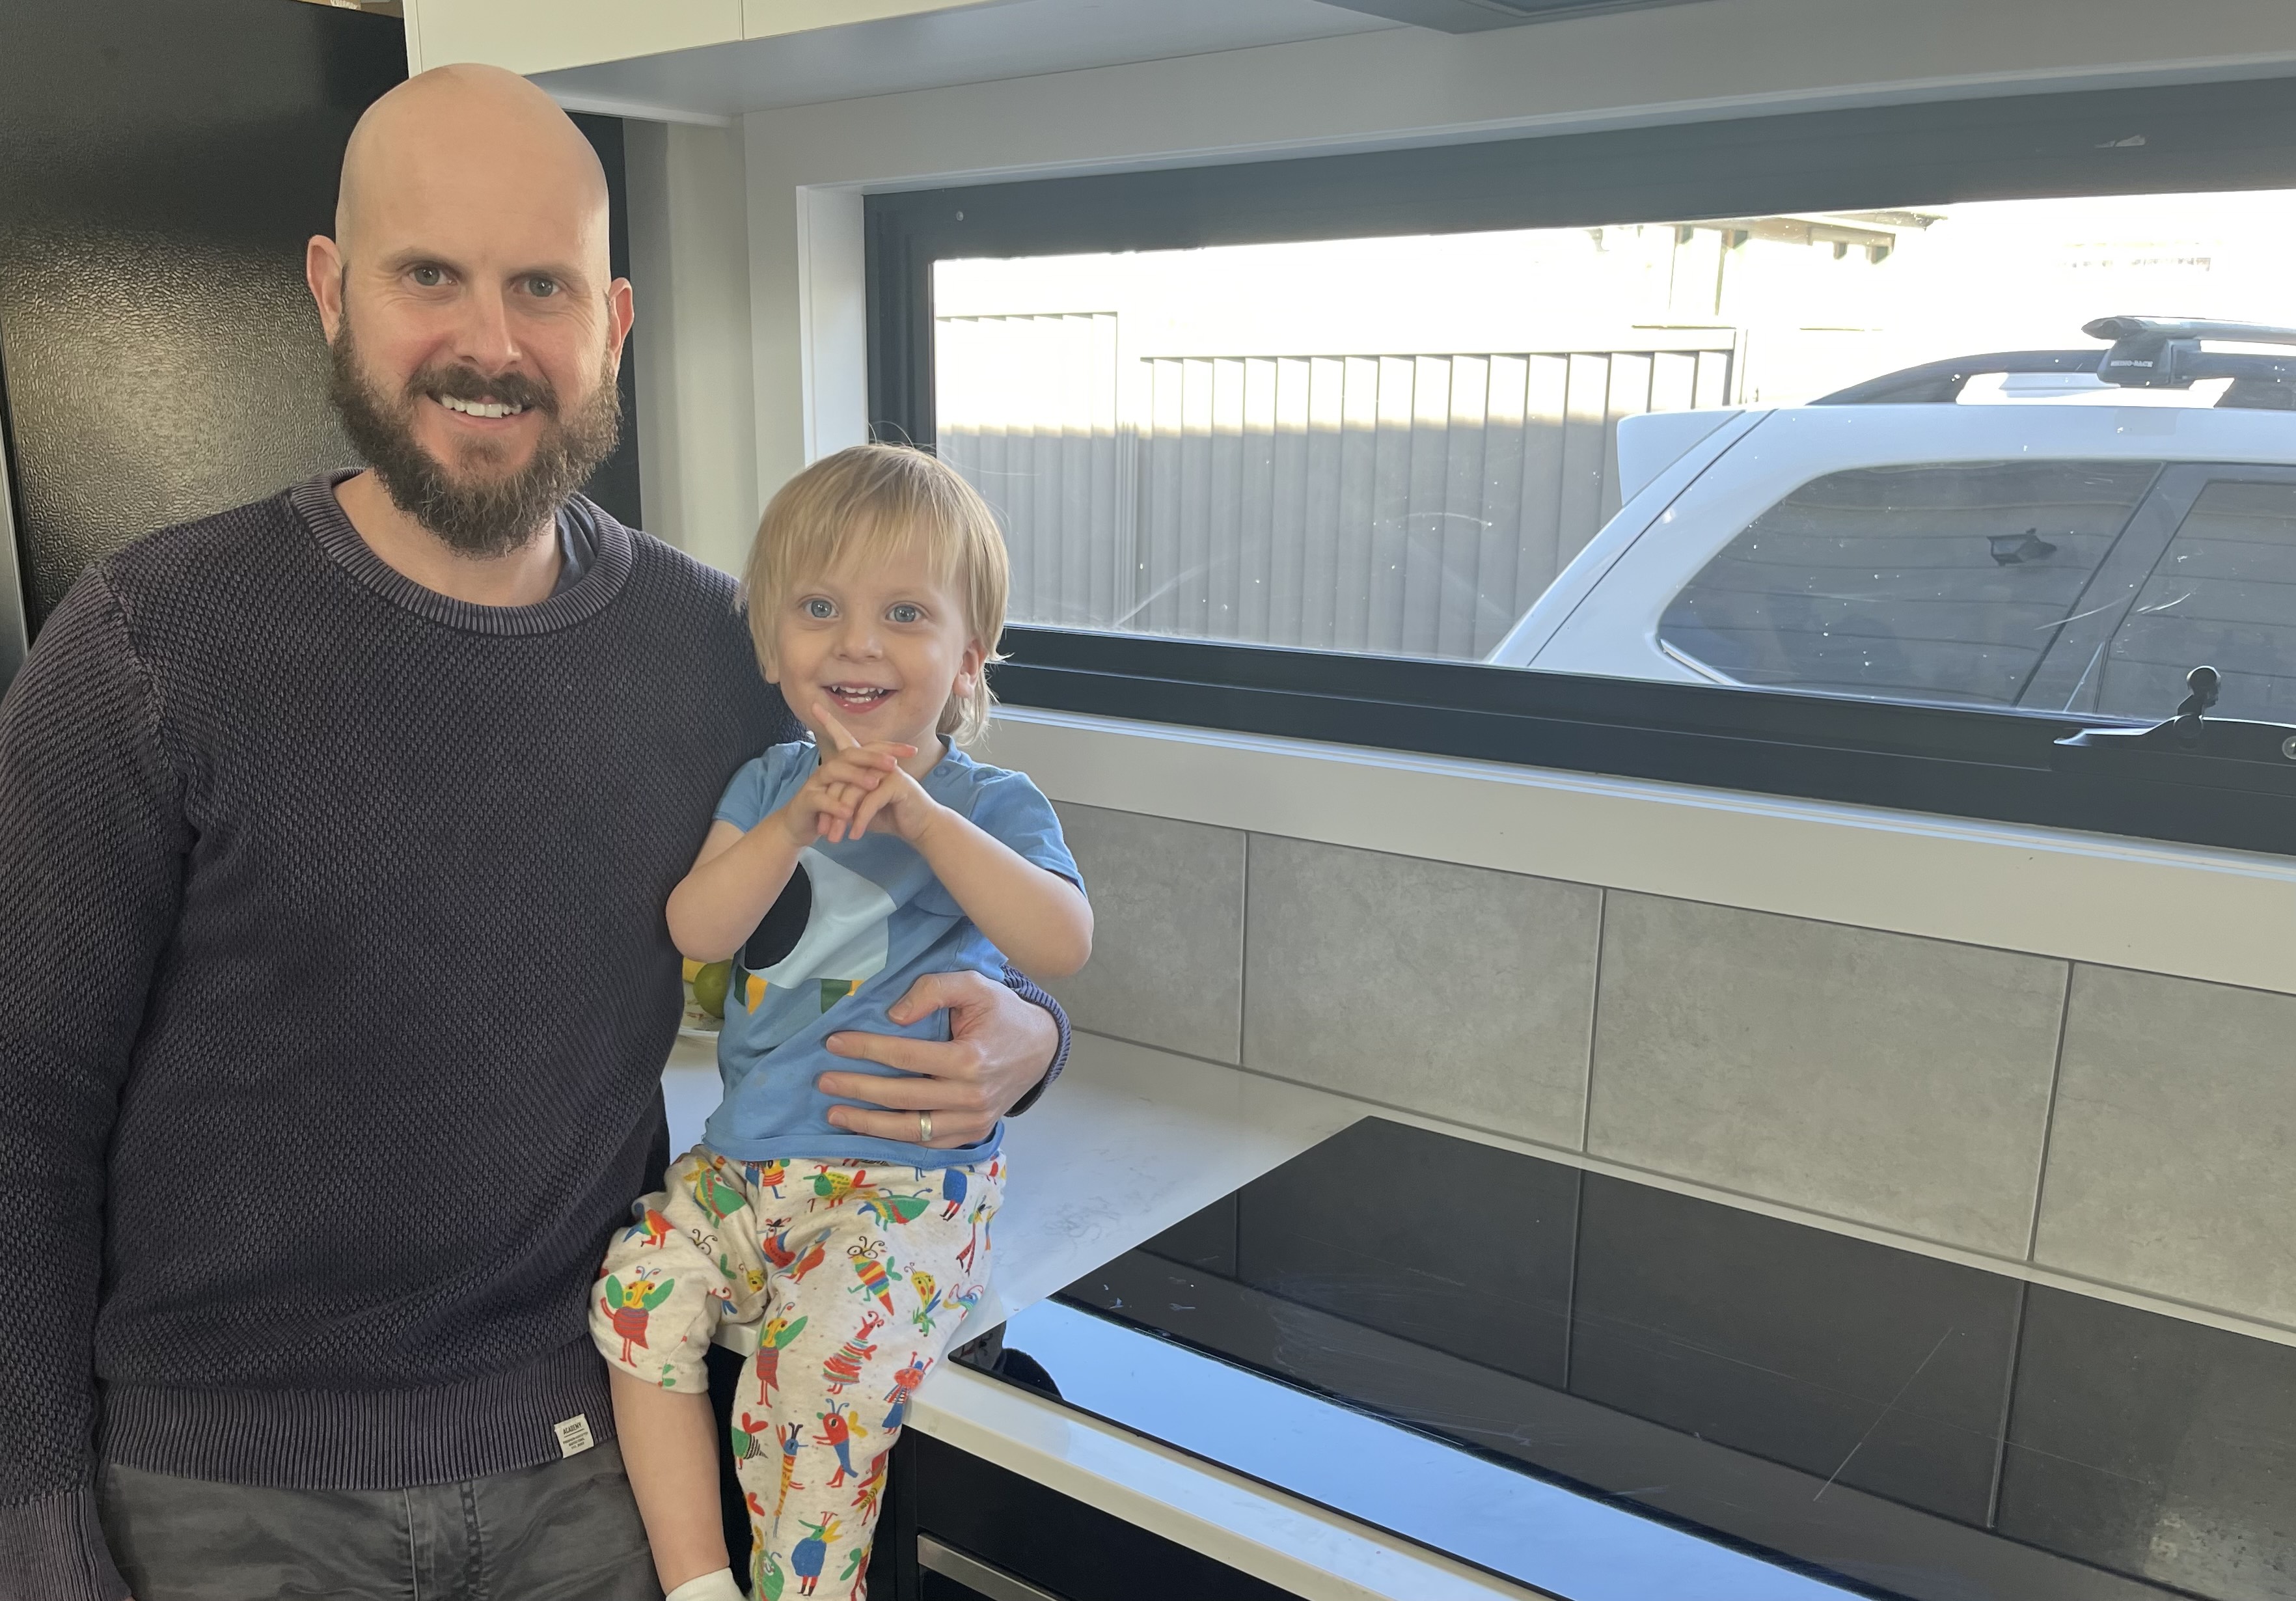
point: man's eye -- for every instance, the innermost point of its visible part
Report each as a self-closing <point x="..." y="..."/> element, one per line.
<point x="820" y="609"/>
<point x="541" y="287"/>
<point x="428" y="277"/>
<point x="905" y="612"/>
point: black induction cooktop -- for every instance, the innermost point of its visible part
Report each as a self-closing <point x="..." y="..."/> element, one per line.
<point x="1605" y="1390"/>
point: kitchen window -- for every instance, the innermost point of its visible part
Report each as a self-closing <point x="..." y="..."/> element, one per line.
<point x="1861" y="454"/>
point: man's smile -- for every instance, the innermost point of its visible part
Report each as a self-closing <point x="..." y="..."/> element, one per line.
<point x="480" y="408"/>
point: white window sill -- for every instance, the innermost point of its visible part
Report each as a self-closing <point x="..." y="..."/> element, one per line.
<point x="2192" y="911"/>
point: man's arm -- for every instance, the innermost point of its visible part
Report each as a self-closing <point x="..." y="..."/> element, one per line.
<point x="91" y="846"/>
<point x="1007" y="1042"/>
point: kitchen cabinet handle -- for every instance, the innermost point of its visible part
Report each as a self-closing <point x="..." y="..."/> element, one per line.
<point x="973" y="1573"/>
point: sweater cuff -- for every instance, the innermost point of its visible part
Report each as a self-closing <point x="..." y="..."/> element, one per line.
<point x="1021" y="986"/>
<point x="52" y="1551"/>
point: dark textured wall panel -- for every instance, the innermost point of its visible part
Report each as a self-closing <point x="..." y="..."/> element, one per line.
<point x="161" y="166"/>
<point x="615" y="484"/>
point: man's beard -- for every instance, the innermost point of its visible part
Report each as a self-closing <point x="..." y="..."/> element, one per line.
<point x="476" y="513"/>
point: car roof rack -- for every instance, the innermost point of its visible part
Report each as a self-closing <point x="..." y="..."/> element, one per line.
<point x="2145" y="353"/>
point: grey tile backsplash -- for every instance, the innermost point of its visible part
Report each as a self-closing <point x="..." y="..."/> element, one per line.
<point x="2172" y="1156"/>
<point x="1889" y="1080"/>
<point x="1907" y="1084"/>
<point x="1457" y="991"/>
<point x="1167" y="964"/>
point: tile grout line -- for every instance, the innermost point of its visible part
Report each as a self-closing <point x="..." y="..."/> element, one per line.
<point x="2008" y="1399"/>
<point x="1243" y="945"/>
<point x="1593" y="1018"/>
<point x="2049" y="1116"/>
<point x="1570" y="1282"/>
<point x="1242" y="999"/>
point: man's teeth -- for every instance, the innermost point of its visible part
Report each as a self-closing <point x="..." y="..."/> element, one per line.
<point x="479" y="408"/>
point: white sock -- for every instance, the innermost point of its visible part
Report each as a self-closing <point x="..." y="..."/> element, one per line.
<point x="718" y="1586"/>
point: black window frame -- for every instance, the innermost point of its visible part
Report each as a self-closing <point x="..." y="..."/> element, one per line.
<point x="1997" y="765"/>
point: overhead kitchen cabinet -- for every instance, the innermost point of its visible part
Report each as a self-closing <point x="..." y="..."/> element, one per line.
<point x="543" y="35"/>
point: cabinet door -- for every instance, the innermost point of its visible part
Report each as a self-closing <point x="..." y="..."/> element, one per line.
<point x="540" y="35"/>
<point x="957" y="1526"/>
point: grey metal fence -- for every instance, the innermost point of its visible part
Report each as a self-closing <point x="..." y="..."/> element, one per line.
<point x="1405" y="504"/>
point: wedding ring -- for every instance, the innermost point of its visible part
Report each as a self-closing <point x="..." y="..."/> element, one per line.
<point x="924" y="1128"/>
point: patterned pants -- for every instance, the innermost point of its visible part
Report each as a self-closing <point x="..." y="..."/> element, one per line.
<point x="850" y="1279"/>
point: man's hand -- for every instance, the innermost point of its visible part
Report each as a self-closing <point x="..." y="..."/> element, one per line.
<point x="998" y="1046"/>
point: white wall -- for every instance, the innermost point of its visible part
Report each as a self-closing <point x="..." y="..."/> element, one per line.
<point x="690" y="266"/>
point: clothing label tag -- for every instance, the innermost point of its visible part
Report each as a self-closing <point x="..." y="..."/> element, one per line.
<point x="574" y="1436"/>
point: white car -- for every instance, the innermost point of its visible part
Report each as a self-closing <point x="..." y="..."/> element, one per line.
<point x="2079" y="550"/>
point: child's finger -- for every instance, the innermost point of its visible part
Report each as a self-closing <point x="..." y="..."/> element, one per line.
<point x="845" y="741"/>
<point x="857" y="769"/>
<point x="868" y="809"/>
<point x="829" y="817"/>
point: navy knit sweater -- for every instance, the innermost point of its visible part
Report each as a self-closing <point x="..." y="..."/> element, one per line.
<point x="336" y="995"/>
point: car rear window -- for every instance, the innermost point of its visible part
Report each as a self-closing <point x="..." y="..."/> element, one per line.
<point x="2223" y="593"/>
<point x="1940" y="581"/>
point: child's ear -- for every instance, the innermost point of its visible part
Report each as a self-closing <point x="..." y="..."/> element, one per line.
<point x="968" y="668"/>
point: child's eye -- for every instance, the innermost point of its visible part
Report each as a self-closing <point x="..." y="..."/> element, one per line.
<point x="819" y="609"/>
<point x="906" y="612"/>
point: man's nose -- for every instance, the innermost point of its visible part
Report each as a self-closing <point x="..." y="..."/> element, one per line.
<point x="485" y="339"/>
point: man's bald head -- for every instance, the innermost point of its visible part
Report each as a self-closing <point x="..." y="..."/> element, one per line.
<point x="476" y="125"/>
<point x="469" y="304"/>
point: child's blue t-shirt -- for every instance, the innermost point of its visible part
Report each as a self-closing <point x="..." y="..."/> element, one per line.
<point x="867" y="920"/>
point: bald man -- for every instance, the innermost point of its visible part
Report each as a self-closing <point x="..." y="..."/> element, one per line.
<point x="336" y="832"/>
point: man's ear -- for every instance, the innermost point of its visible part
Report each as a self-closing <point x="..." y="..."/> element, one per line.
<point x="621" y="311"/>
<point x="322" y="271"/>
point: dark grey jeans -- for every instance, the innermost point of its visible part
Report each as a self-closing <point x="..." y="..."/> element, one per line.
<point x="566" y="1531"/>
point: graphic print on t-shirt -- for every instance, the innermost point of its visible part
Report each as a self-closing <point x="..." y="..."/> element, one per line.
<point x="859" y="923"/>
<point x="843" y="946"/>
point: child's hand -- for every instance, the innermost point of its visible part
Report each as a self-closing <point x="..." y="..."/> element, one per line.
<point x="824" y="806"/>
<point x="895" y="802"/>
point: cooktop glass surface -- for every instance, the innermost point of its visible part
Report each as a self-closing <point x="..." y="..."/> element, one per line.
<point x="1605" y="1389"/>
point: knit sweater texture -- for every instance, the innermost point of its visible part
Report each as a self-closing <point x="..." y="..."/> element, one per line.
<point x="338" y="990"/>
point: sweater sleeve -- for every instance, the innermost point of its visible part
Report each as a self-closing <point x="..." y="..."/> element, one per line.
<point x="90" y="853"/>
<point x="1022" y="986"/>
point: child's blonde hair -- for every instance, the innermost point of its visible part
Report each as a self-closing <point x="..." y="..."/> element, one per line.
<point x="870" y="501"/>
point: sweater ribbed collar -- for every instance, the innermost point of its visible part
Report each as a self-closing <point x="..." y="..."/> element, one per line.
<point x="315" y="504"/>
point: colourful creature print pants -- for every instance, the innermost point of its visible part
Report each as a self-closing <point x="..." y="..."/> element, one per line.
<point x="853" y="1277"/>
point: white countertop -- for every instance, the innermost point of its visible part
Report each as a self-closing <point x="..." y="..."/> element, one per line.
<point x="1128" y="1143"/>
